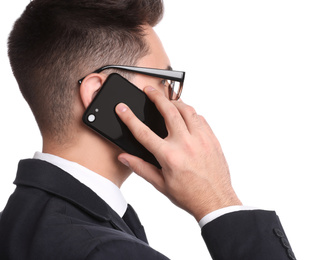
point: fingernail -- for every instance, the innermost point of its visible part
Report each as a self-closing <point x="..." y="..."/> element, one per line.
<point x="123" y="161"/>
<point x="121" y="108"/>
<point x="149" y="89"/>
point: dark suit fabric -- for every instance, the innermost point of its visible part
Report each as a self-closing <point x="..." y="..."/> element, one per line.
<point x="51" y="215"/>
<point x="248" y="235"/>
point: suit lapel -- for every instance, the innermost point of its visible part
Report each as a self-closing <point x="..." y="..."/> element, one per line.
<point x="45" y="176"/>
<point x="133" y="222"/>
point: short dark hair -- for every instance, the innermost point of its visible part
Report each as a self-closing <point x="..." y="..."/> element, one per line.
<point x="56" y="42"/>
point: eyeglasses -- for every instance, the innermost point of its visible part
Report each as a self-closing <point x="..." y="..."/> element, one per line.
<point x="174" y="79"/>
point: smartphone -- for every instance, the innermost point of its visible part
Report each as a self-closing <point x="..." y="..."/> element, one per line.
<point x="102" y="118"/>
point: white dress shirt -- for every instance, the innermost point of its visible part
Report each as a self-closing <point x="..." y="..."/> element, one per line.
<point x="109" y="192"/>
<point x="104" y="188"/>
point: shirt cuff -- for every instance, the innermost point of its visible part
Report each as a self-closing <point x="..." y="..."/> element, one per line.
<point x="220" y="212"/>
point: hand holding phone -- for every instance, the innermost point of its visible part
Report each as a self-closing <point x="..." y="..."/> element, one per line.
<point x="102" y="118"/>
<point x="194" y="174"/>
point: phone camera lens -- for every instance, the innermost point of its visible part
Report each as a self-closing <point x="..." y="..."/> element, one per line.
<point x="91" y="118"/>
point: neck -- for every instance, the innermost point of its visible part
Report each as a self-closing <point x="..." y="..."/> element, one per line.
<point x="92" y="152"/>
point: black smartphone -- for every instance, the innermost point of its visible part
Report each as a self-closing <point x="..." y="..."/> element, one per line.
<point x="102" y="118"/>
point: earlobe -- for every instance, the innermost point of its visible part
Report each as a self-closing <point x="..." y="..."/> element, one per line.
<point x="90" y="86"/>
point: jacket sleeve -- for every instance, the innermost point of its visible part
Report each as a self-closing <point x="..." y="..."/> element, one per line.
<point x="242" y="235"/>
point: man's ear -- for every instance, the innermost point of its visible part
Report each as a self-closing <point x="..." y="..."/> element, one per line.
<point x="90" y="86"/>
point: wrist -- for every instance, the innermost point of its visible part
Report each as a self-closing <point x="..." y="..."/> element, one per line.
<point x="216" y="203"/>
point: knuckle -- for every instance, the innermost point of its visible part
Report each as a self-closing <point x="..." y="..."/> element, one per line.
<point x="202" y="119"/>
<point x="173" y="113"/>
<point x="205" y="145"/>
<point x="188" y="145"/>
<point x="142" y="134"/>
<point x="192" y="114"/>
<point x="172" y="161"/>
<point x="190" y="110"/>
<point x="205" y="142"/>
<point x="205" y="124"/>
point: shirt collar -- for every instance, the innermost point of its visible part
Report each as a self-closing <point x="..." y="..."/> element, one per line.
<point x="103" y="187"/>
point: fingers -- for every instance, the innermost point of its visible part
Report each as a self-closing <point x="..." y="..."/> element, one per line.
<point x="145" y="170"/>
<point x="140" y="131"/>
<point x="206" y="125"/>
<point x="179" y="117"/>
<point x="191" y="118"/>
<point x="173" y="120"/>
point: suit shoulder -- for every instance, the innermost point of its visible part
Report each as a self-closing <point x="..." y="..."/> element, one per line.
<point x="68" y="233"/>
<point x="125" y="249"/>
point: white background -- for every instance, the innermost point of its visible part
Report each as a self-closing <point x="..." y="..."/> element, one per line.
<point x="261" y="74"/>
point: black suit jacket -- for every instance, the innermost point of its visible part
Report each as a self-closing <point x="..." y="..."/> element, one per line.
<point x="51" y="215"/>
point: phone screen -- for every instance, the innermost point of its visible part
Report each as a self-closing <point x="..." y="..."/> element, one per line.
<point x="101" y="115"/>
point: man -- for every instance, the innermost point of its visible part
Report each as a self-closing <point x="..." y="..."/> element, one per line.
<point x="67" y="204"/>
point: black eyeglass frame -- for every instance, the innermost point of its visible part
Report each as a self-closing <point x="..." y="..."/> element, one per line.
<point x="172" y="75"/>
